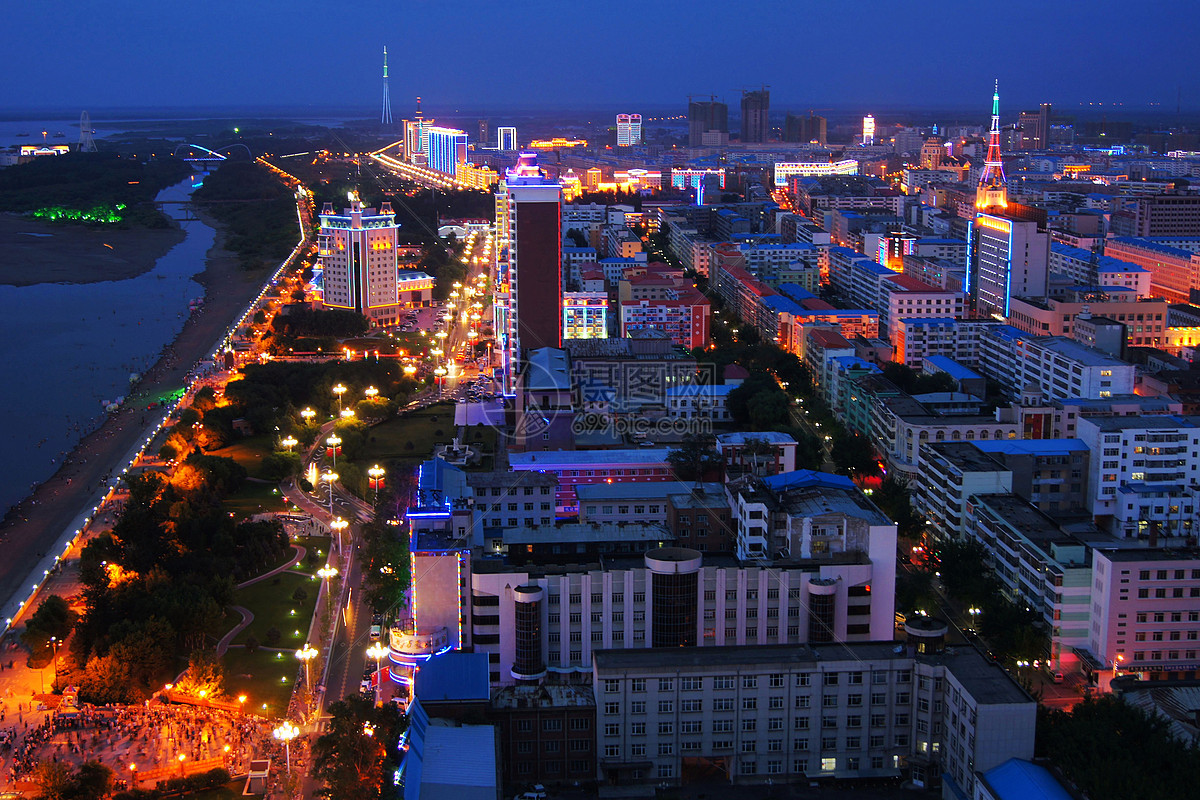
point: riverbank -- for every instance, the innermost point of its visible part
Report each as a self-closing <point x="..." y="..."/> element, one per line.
<point x="30" y="532"/>
<point x="37" y="251"/>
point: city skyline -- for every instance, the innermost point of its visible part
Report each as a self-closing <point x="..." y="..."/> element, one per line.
<point x="271" y="58"/>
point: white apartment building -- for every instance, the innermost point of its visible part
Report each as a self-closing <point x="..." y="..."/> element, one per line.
<point x="1039" y="566"/>
<point x="780" y="714"/>
<point x="1089" y="269"/>
<point x="904" y="428"/>
<point x="953" y="473"/>
<point x="905" y="297"/>
<point x="552" y="617"/>
<point x="1150" y="454"/>
<point x="1060" y="368"/>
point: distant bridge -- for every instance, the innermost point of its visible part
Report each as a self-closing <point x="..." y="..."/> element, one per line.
<point x="198" y="154"/>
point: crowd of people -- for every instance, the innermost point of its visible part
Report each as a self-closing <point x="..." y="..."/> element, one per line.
<point x="142" y="742"/>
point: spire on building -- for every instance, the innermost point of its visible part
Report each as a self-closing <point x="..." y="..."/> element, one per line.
<point x="992" y="192"/>
<point x="386" y="117"/>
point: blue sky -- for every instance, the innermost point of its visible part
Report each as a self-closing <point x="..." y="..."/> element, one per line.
<point x="489" y="55"/>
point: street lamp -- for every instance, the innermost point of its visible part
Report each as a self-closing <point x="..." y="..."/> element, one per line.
<point x="328" y="571"/>
<point x="285" y="733"/>
<point x="330" y="477"/>
<point x="371" y="392"/>
<point x="182" y="758"/>
<point x="376" y="474"/>
<point x="377" y="651"/>
<point x="308" y="414"/>
<point x="333" y="441"/>
<point x="337" y="526"/>
<point x="347" y="413"/>
<point x="307" y="654"/>
<point x="289" y="442"/>
<point x="133" y="776"/>
<point x="339" y="390"/>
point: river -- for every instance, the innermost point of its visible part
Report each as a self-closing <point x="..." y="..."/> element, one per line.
<point x="71" y="346"/>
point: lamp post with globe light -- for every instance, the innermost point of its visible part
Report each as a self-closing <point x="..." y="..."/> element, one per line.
<point x="334" y="441"/>
<point x="377" y="651"/>
<point x="376" y="474"/>
<point x="337" y="526"/>
<point x="284" y="733"/>
<point x="289" y="442"/>
<point x="306" y="654"/>
<point x="308" y="415"/>
<point x="330" y="477"/>
<point x="339" y="390"/>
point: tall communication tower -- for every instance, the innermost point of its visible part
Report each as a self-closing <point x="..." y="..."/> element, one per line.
<point x="992" y="190"/>
<point x="86" y="143"/>
<point x="386" y="117"/>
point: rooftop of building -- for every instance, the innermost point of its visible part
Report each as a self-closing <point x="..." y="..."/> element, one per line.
<point x="1176" y="701"/>
<point x="706" y="495"/>
<point x="952" y="368"/>
<point x="1032" y="447"/>
<point x="1158" y="554"/>
<point x="828" y="339"/>
<point x="1077" y="351"/>
<point x="910" y="284"/>
<point x="1150" y="243"/>
<point x="544" y="695"/>
<point x="436" y="765"/>
<point x="966" y="457"/>
<point x="454" y="676"/>
<point x="1149" y="405"/>
<point x="702" y="390"/>
<point x="808" y="493"/>
<point x="509" y="479"/>
<point x="1017" y="779"/>
<point x="741" y="437"/>
<point x="1148" y="422"/>
<point x="987" y="682"/>
<point x="546" y="369"/>
<point x="550" y="459"/>
<point x="1031" y="523"/>
<point x="584" y="532"/>
<point x="633" y="490"/>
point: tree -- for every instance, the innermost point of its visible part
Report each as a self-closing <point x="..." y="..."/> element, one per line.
<point x="352" y="763"/>
<point x="385" y="565"/>
<point x="853" y="454"/>
<point x="204" y="674"/>
<point x="53" y="618"/>
<point x="55" y="780"/>
<point x="695" y="457"/>
<point x="105" y="680"/>
<point x="92" y="781"/>
<point x="1111" y="749"/>
<point x="768" y="409"/>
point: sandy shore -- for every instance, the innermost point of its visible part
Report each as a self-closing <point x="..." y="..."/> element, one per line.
<point x="27" y="534"/>
<point x="37" y="251"/>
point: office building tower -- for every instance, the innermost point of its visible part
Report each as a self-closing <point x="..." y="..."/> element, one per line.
<point x="804" y="129"/>
<point x="629" y="130"/>
<point x="756" y="107"/>
<point x="447" y="148"/>
<point x="707" y="117"/>
<point x="506" y="138"/>
<point x="483" y="132"/>
<point x="357" y="252"/>
<point x="868" y="132"/>
<point x="416" y="140"/>
<point x="1010" y="245"/>
<point x="1035" y="128"/>
<point x="528" y="306"/>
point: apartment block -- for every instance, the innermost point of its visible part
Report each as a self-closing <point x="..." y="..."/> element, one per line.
<point x="1059" y="368"/>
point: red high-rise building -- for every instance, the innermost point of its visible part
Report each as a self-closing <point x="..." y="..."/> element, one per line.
<point x="528" y="262"/>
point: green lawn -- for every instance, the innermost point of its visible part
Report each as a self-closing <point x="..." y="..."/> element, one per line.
<point x="264" y="676"/>
<point x="248" y="452"/>
<point x="387" y="441"/>
<point x="271" y="603"/>
<point x="229" y="791"/>
<point x="254" y="498"/>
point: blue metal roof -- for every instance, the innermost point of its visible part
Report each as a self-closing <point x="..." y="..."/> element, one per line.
<point x="1017" y="779"/>
<point x="777" y="302"/>
<point x="795" y="291"/>
<point x="453" y="676"/>
<point x="1031" y="447"/>
<point x="802" y="478"/>
<point x="952" y="368"/>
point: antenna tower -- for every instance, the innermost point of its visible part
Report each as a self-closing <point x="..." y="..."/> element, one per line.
<point x="86" y="143"/>
<point x="386" y="117"/>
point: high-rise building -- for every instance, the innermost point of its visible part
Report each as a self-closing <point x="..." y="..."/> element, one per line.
<point x="528" y="306"/>
<point x="416" y="140"/>
<point x="756" y="107"/>
<point x="629" y="130"/>
<point x="357" y="252"/>
<point x="1035" y="128"/>
<point x="506" y="138"/>
<point x="1010" y="245"/>
<point x="447" y="149"/>
<point x="804" y="129"/>
<point x="868" y="133"/>
<point x="706" y="117"/>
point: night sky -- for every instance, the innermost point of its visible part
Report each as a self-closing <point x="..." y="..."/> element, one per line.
<point x="648" y="54"/>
